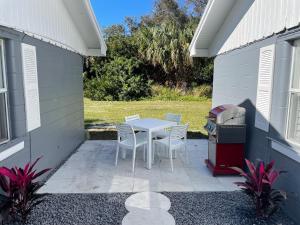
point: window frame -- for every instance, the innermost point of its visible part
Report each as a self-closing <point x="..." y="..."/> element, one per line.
<point x="291" y="91"/>
<point x="5" y="91"/>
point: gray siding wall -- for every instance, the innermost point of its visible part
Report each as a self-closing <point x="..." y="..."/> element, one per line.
<point x="61" y="102"/>
<point x="235" y="82"/>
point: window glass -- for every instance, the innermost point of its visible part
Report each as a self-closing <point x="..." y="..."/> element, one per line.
<point x="1" y="71"/>
<point x="3" y="119"/>
<point x="4" y="131"/>
<point x="296" y="66"/>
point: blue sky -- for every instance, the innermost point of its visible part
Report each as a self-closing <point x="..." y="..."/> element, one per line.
<point x="110" y="12"/>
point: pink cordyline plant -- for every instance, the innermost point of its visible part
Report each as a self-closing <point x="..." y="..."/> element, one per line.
<point x="259" y="186"/>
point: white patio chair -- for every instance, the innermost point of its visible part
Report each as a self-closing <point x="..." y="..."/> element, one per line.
<point x="176" y="140"/>
<point x="133" y="117"/>
<point x="128" y="139"/>
<point x="165" y="133"/>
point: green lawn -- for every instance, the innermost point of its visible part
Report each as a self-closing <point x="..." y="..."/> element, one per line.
<point x="193" y="112"/>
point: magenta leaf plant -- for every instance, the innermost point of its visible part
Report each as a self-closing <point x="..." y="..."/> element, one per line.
<point x="259" y="184"/>
<point x="20" y="186"/>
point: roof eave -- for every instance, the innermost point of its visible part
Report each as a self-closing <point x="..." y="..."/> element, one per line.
<point x="194" y="52"/>
<point x="211" y="21"/>
<point x="95" y="52"/>
<point x="192" y="47"/>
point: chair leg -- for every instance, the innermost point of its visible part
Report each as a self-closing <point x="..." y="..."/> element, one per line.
<point x="133" y="159"/>
<point x="156" y="149"/>
<point x="124" y="152"/>
<point x="186" y="154"/>
<point x="171" y="158"/>
<point x="153" y="155"/>
<point x="144" y="153"/>
<point x="117" y="155"/>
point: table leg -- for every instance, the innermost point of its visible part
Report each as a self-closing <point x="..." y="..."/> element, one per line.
<point x="149" y="151"/>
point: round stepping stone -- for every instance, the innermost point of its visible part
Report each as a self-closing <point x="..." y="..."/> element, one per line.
<point x="147" y="201"/>
<point x="149" y="217"/>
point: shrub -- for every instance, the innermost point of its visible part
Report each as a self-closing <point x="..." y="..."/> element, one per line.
<point x="202" y="91"/>
<point x="20" y="188"/>
<point x="179" y="94"/>
<point x="120" y="79"/>
<point x="259" y="186"/>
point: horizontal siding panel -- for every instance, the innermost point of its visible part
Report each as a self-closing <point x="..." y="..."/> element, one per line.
<point x="249" y="22"/>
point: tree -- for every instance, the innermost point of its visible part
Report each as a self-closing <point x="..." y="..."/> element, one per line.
<point x="118" y="45"/>
<point x="114" y="31"/>
<point x="165" y="11"/>
<point x="166" y="46"/>
<point x="120" y="79"/>
<point x="160" y="41"/>
<point x="198" y="6"/>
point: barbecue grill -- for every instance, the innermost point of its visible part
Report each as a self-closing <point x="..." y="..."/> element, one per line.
<point x="226" y="137"/>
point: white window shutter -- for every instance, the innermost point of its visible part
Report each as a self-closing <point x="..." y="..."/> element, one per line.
<point x="264" y="87"/>
<point x="31" y="87"/>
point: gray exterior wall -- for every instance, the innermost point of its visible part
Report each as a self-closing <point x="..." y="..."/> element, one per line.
<point x="61" y="102"/>
<point x="235" y="82"/>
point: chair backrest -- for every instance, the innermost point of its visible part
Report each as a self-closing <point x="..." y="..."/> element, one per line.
<point x="179" y="132"/>
<point x="173" y="117"/>
<point x="133" y="117"/>
<point x="125" y="132"/>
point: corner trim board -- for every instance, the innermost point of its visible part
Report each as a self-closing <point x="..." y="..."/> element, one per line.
<point x="11" y="151"/>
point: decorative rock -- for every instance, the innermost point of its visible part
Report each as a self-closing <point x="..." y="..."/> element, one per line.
<point x="149" y="217"/>
<point x="146" y="201"/>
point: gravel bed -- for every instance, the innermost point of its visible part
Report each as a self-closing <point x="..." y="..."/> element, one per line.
<point x="222" y="208"/>
<point x="218" y="208"/>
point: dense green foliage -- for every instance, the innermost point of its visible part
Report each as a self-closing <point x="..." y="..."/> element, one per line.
<point x="156" y="48"/>
<point x="121" y="80"/>
<point x="198" y="93"/>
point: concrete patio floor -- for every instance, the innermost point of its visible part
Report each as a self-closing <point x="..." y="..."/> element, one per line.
<point x="91" y="170"/>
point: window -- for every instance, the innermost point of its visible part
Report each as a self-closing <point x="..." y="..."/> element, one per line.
<point x="4" y="129"/>
<point x="293" y="129"/>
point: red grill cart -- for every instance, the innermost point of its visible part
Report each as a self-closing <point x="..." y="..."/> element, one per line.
<point x="227" y="134"/>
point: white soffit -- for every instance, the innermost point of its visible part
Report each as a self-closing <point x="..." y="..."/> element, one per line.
<point x="231" y="24"/>
<point x="86" y="22"/>
<point x="69" y="24"/>
<point x="213" y="17"/>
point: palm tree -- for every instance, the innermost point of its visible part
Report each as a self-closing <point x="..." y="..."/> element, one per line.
<point x="167" y="45"/>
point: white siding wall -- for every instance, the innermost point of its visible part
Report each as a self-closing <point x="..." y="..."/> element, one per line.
<point x="252" y="20"/>
<point x="45" y="19"/>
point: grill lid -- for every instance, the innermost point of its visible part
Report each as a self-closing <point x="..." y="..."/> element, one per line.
<point x="228" y="114"/>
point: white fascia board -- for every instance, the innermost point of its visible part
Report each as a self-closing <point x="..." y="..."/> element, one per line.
<point x="95" y="52"/>
<point x="212" y="20"/>
<point x="199" y="52"/>
<point x="96" y="27"/>
<point x="204" y="17"/>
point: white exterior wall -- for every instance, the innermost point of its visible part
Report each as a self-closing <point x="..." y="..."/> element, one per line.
<point x="44" y="19"/>
<point x="251" y="20"/>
